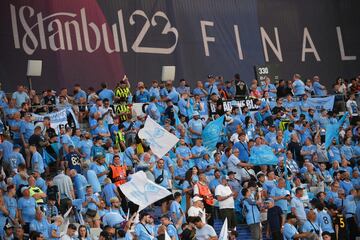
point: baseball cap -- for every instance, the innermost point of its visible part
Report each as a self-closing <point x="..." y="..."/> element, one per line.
<point x="23" y="189"/>
<point x="8" y="225"/>
<point x="196" y="113"/>
<point x="196" y="198"/>
<point x="269" y="200"/>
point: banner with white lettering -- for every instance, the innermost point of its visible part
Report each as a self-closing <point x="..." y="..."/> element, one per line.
<point x="56" y="119"/>
<point x="143" y="192"/>
<point x="159" y="139"/>
<point x="137" y="37"/>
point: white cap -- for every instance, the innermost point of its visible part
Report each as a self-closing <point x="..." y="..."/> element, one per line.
<point x="197" y="198"/>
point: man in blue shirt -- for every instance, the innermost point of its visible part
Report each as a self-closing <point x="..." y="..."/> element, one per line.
<point x="195" y="126"/>
<point x="106" y="93"/>
<point x="152" y="110"/>
<point x="37" y="161"/>
<point x="298" y="86"/>
<point x="290" y="232"/>
<point x="320" y="90"/>
<point x="40" y="224"/>
<point x="252" y="214"/>
<point x="170" y="227"/>
<point x="26" y="129"/>
<point x="242" y="146"/>
<point x="281" y="196"/>
<point x="27" y="208"/>
<point x="20" y="96"/>
<point x="142" y="95"/>
<point x="15" y="158"/>
<point x="99" y="168"/>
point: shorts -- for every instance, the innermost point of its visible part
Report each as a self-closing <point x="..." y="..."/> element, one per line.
<point x="92" y="219"/>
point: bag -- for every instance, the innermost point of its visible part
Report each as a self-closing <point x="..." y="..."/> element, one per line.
<point x="91" y="213"/>
<point x="160" y="178"/>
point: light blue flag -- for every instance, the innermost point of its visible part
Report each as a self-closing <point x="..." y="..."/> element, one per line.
<point x="322" y="103"/>
<point x="211" y="134"/>
<point x="262" y="155"/>
<point x="332" y="131"/>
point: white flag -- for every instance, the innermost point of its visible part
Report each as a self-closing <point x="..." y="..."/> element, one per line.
<point x="143" y="192"/>
<point x="224" y="231"/>
<point x="160" y="140"/>
<point x="167" y="237"/>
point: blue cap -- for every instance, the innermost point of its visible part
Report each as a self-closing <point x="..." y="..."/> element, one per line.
<point x="16" y="146"/>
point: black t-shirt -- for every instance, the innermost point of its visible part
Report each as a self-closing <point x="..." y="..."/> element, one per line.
<point x="274" y="214"/>
<point x="52" y="192"/>
<point x="283" y="91"/>
<point x="36" y="140"/>
<point x="277" y="109"/>
<point x="339" y="220"/>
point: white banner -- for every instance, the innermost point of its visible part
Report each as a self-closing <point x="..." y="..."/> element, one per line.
<point x="143" y="192"/>
<point x="56" y="118"/>
<point x="160" y="140"/>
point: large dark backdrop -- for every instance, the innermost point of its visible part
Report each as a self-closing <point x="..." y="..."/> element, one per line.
<point x="63" y="68"/>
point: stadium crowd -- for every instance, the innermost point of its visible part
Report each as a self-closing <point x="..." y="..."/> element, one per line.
<point x="63" y="182"/>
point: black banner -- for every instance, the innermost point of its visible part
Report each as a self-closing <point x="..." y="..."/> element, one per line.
<point x="88" y="41"/>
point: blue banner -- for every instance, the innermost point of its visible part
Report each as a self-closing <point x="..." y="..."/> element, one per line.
<point x="262" y="155"/>
<point x="212" y="134"/>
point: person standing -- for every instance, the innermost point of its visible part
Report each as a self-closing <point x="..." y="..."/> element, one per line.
<point x="202" y="190"/>
<point x="252" y="214"/>
<point x="353" y="109"/>
<point x="225" y="197"/>
<point x="297" y="206"/>
<point x="117" y="172"/>
<point x="275" y="220"/>
<point x="298" y="86"/>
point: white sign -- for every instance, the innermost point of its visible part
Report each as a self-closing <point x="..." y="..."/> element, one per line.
<point x="168" y="73"/>
<point x="143" y="192"/>
<point x="159" y="139"/>
<point x="34" y="68"/>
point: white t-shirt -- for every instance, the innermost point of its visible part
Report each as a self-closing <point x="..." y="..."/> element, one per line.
<point x="299" y="207"/>
<point x="234" y="138"/>
<point x="352" y="107"/>
<point x="205" y="232"/>
<point x="224" y="191"/>
<point x="197" y="212"/>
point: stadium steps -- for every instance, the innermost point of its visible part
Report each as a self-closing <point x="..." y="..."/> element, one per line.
<point x="242" y="230"/>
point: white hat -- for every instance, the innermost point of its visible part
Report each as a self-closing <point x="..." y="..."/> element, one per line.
<point x="197" y="198"/>
<point x="196" y="113"/>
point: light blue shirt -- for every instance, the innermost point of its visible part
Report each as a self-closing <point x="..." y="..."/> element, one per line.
<point x="298" y="87"/>
<point x="37" y="162"/>
<point x="28" y="208"/>
<point x="282" y="203"/>
<point x="252" y="211"/>
<point x="197" y="126"/>
<point x="289" y="231"/>
<point x="20" y="98"/>
<point x="40" y="226"/>
<point x="324" y="221"/>
<point x="107" y="93"/>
